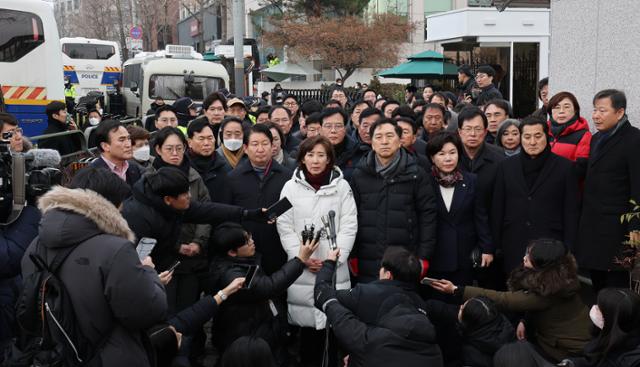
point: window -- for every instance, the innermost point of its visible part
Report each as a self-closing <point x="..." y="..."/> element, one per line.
<point x="88" y="51"/>
<point x="132" y="75"/>
<point x="433" y="7"/>
<point x="171" y="87"/>
<point x="20" y="33"/>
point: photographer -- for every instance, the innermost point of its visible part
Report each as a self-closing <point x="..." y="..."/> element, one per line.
<point x="12" y="133"/>
<point x="257" y="309"/>
<point x="14" y="239"/>
<point x="383" y="323"/>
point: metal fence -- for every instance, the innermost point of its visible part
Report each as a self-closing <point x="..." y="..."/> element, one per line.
<point x="321" y="95"/>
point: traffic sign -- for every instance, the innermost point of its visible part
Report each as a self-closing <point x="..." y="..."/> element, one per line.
<point x="136" y="32"/>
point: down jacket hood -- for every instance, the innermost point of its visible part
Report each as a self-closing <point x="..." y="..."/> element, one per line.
<point x="406" y="320"/>
<point x="71" y="216"/>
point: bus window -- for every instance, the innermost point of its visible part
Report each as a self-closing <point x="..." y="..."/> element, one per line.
<point x="132" y="74"/>
<point x="20" y="33"/>
<point x="88" y="51"/>
<point x="171" y="87"/>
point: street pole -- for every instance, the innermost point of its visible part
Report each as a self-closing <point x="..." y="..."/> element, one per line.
<point x="238" y="46"/>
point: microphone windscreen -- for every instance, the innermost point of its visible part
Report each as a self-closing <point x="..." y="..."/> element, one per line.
<point x="44" y="158"/>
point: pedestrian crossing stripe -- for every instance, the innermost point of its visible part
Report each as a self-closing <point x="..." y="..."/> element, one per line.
<point x="24" y="93"/>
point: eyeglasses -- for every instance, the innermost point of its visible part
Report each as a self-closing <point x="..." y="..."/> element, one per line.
<point x="469" y="130"/>
<point x="16" y="131"/>
<point x="173" y="149"/>
<point x="330" y="127"/>
<point x="290" y="104"/>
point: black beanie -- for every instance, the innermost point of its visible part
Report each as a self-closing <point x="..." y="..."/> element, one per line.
<point x="486" y="69"/>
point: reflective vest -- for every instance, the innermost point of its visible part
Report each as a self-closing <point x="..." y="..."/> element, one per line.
<point x="70" y="92"/>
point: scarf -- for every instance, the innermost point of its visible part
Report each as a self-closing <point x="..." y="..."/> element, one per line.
<point x="557" y="129"/>
<point x="262" y="171"/>
<point x="391" y="167"/>
<point x="279" y="157"/>
<point x="184" y="166"/>
<point x="201" y="163"/>
<point x="232" y="157"/>
<point x="606" y="135"/>
<point x="319" y="180"/>
<point x="512" y="152"/>
<point x="446" y="180"/>
<point x="532" y="167"/>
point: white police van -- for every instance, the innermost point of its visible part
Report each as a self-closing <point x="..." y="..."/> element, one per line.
<point x="178" y="71"/>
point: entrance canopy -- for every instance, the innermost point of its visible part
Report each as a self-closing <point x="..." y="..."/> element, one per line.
<point x="425" y="65"/>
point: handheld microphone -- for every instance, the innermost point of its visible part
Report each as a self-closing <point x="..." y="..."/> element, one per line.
<point x="332" y="229"/>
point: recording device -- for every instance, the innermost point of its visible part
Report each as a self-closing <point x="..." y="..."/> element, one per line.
<point x="174" y="266"/>
<point x="248" y="278"/>
<point x="330" y="227"/>
<point x="309" y="234"/>
<point x="25" y="177"/>
<point x="145" y="246"/>
<point x="427" y="281"/>
<point x="278" y="208"/>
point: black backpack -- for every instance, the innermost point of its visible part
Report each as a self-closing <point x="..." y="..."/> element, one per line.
<point x="49" y="333"/>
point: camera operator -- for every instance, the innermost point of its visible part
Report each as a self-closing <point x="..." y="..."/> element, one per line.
<point x="14" y="240"/>
<point x="59" y="121"/>
<point x="382" y="322"/>
<point x="257" y="309"/>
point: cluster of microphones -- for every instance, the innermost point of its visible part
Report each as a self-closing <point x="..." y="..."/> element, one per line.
<point x="328" y="229"/>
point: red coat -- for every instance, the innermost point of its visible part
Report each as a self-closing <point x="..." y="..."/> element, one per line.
<point x="574" y="142"/>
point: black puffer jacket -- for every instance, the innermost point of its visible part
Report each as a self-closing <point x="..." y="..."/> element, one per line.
<point x="397" y="211"/>
<point x="149" y="216"/>
<point x="402" y="335"/>
<point x="250" y="312"/>
<point x="213" y="171"/>
<point x="116" y="297"/>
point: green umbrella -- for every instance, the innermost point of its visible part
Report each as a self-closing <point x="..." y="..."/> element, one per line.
<point x="427" y="64"/>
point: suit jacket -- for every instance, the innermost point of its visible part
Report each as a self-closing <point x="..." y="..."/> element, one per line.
<point x="461" y="228"/>
<point x="134" y="172"/>
<point x="485" y="166"/>
<point x="612" y="179"/>
<point x="520" y="214"/>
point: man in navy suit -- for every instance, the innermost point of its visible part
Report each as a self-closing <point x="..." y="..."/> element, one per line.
<point x="114" y="144"/>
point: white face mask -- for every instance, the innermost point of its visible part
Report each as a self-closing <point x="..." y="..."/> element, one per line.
<point x="142" y="154"/>
<point x="93" y="121"/>
<point x="596" y="317"/>
<point x="233" y="144"/>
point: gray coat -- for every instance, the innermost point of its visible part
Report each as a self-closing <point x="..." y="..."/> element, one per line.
<point x="115" y="298"/>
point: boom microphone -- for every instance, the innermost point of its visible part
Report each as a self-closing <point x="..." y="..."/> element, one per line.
<point x="40" y="158"/>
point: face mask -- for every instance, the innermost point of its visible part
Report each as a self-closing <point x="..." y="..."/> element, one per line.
<point x="233" y="144"/>
<point x="596" y="317"/>
<point x="142" y="154"/>
<point x="94" y="121"/>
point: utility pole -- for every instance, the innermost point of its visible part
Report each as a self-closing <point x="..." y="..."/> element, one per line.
<point x="238" y="46"/>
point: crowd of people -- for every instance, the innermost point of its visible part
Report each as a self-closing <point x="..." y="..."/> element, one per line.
<point x="461" y="236"/>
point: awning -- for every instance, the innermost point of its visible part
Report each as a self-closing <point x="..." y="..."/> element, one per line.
<point x="285" y="70"/>
<point x="210" y="56"/>
<point x="425" y="65"/>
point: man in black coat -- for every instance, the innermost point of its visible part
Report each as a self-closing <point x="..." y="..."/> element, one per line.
<point x="282" y="117"/>
<point x="57" y="123"/>
<point x="612" y="180"/>
<point x="258" y="309"/>
<point x="536" y="196"/>
<point x="396" y="203"/>
<point x="484" y="78"/>
<point x="361" y="134"/>
<point x="161" y="203"/>
<point x="114" y="144"/>
<point x="477" y="156"/>
<point x="395" y="331"/>
<point x="258" y="181"/>
<point x="209" y="164"/>
<point x="334" y="127"/>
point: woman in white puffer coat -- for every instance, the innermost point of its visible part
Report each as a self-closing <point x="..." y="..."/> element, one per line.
<point x="317" y="186"/>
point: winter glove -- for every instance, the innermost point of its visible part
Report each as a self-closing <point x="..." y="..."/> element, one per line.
<point x="424" y="263"/>
<point x="324" y="292"/>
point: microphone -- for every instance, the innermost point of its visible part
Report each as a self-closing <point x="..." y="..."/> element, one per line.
<point x="40" y="158"/>
<point x="332" y="229"/>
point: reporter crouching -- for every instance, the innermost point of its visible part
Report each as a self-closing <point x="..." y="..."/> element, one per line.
<point x="256" y="309"/>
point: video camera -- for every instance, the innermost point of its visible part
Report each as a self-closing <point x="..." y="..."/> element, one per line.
<point x="25" y="177"/>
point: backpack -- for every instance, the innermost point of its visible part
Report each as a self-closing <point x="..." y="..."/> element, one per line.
<point x="49" y="333"/>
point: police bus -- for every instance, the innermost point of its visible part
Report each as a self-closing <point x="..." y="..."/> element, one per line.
<point x="91" y="64"/>
<point x="177" y="71"/>
<point x="30" y="61"/>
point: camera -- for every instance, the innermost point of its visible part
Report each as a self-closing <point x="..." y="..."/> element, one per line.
<point x="24" y="177"/>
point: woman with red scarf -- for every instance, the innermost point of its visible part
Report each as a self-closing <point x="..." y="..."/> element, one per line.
<point x="462" y="219"/>
<point x="317" y="187"/>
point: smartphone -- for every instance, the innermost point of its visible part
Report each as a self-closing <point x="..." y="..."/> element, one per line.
<point x="427" y="281"/>
<point x="145" y="246"/>
<point x="174" y="266"/>
<point x="278" y="208"/>
<point x="248" y="278"/>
